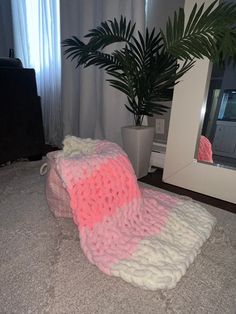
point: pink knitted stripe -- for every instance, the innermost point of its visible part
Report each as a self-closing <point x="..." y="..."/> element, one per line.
<point x="205" y="150"/>
<point x="119" y="235"/>
<point x="102" y="192"/>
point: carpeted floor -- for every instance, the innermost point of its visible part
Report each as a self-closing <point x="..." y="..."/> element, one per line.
<point x="43" y="270"/>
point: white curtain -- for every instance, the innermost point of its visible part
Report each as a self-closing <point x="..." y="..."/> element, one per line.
<point x="36" y="25"/>
<point x="90" y="107"/>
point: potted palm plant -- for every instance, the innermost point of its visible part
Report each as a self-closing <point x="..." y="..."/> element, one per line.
<point x="146" y="68"/>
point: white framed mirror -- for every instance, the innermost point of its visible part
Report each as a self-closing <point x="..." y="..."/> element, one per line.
<point x="188" y="109"/>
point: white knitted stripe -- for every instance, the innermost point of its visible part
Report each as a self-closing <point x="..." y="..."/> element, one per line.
<point x="74" y="145"/>
<point x="160" y="261"/>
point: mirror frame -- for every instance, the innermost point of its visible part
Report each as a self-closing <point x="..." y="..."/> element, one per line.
<point x="187" y="114"/>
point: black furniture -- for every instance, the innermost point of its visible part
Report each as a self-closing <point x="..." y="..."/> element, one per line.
<point x="21" y="128"/>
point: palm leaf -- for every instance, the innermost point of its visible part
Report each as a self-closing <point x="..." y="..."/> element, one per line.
<point x="110" y="32"/>
<point x="204" y="30"/>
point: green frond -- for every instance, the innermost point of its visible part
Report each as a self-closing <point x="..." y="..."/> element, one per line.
<point x="203" y="30"/>
<point x="110" y="32"/>
<point x="103" y="60"/>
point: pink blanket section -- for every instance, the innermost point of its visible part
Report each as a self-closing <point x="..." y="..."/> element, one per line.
<point x="205" y="150"/>
<point x="112" y="214"/>
<point x="120" y="234"/>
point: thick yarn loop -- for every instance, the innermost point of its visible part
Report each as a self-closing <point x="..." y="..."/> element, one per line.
<point x="146" y="237"/>
<point x="205" y="150"/>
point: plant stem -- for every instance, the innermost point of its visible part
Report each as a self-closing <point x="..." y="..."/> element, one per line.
<point x="138" y="120"/>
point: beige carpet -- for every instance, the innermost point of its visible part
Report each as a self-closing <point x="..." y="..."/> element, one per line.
<point x="43" y="270"/>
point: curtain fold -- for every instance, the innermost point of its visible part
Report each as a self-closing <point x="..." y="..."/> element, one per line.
<point x="36" y="27"/>
<point x="90" y="107"/>
<point x="84" y="105"/>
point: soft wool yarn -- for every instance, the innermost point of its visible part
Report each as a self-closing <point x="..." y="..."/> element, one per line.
<point x="205" y="150"/>
<point x="146" y="237"/>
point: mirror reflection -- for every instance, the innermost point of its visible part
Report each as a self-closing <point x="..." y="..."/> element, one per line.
<point x="217" y="143"/>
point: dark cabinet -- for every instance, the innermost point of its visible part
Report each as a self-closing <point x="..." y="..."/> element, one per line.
<point x="21" y="127"/>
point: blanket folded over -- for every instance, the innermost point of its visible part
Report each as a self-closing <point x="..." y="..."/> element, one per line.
<point x="144" y="236"/>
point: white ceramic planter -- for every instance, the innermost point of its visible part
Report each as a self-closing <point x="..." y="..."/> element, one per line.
<point x="137" y="142"/>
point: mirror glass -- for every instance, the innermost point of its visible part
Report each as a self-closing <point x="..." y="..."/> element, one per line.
<point x="217" y="141"/>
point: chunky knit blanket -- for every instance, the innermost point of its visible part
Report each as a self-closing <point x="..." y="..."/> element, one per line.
<point x="205" y="150"/>
<point x="146" y="237"/>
